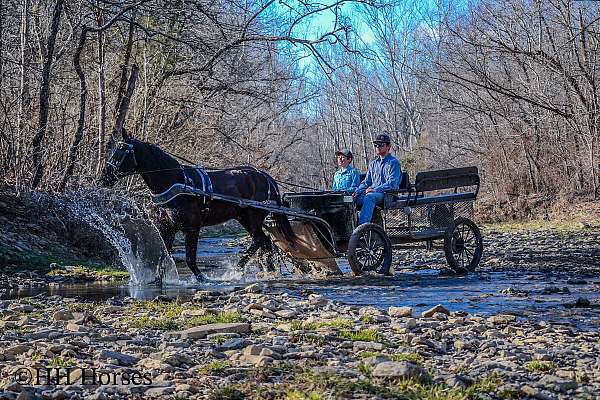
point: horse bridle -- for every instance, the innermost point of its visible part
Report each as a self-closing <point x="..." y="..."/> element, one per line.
<point x="119" y="156"/>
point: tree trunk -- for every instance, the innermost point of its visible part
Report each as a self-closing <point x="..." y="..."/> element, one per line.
<point x="1" y="42"/>
<point x="82" y="104"/>
<point x="40" y="134"/>
<point x="125" y="66"/>
<point x="124" y="106"/>
<point x="24" y="97"/>
<point x="101" y="95"/>
<point x="122" y="83"/>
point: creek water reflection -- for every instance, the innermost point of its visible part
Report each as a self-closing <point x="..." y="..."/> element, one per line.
<point x="528" y="294"/>
<point x="484" y="293"/>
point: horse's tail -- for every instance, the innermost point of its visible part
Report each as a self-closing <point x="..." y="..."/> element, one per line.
<point x="281" y="220"/>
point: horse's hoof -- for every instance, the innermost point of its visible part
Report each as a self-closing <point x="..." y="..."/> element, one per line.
<point x="200" y="278"/>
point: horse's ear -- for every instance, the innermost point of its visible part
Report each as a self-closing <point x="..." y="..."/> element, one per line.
<point x="125" y="135"/>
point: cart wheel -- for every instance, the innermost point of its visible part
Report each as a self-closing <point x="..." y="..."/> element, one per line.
<point x="463" y="245"/>
<point x="369" y="249"/>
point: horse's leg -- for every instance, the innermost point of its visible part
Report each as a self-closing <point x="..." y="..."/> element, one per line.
<point x="167" y="233"/>
<point x="267" y="248"/>
<point x="248" y="253"/>
<point x="168" y="236"/>
<point x="254" y="228"/>
<point x="191" y="247"/>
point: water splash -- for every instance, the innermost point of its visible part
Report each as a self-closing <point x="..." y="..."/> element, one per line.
<point x="140" y="248"/>
<point x="127" y="228"/>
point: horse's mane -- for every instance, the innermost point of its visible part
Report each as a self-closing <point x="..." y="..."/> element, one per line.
<point x="165" y="160"/>
<point x="161" y="157"/>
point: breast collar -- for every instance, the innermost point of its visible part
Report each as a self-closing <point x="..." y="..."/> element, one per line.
<point x="196" y="183"/>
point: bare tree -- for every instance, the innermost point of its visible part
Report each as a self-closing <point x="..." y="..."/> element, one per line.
<point x="48" y="55"/>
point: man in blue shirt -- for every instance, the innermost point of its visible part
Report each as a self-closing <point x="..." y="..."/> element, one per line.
<point x="384" y="174"/>
<point x="347" y="178"/>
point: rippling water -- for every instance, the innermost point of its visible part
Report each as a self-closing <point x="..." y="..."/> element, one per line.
<point x="539" y="295"/>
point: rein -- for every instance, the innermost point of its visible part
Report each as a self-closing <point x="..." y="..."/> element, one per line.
<point x="284" y="183"/>
<point x="219" y="169"/>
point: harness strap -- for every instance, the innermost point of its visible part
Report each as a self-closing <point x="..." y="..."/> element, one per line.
<point x="202" y="189"/>
<point x="205" y="179"/>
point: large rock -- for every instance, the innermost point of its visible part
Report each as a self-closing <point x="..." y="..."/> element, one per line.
<point x="557" y="384"/>
<point x="502" y="319"/>
<point x="124" y="359"/>
<point x="63" y="315"/>
<point x="152" y="363"/>
<point x="233" y="344"/>
<point x="26" y="395"/>
<point x="257" y="360"/>
<point x="287" y="314"/>
<point x="374" y="360"/>
<point x="160" y="391"/>
<point x="20" y="308"/>
<point x="263" y="313"/>
<point x="535" y="393"/>
<point x="369" y="310"/>
<point x="400" y="311"/>
<point x="174" y="359"/>
<point x="439" y="308"/>
<point x="401" y="370"/>
<point x="254" y="288"/>
<point x="73" y="327"/>
<point x="200" y="332"/>
<point x="271" y="305"/>
<point x="253" y="350"/>
<point x="17" y="349"/>
<point x="371" y="346"/>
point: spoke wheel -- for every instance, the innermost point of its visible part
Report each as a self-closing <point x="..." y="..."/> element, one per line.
<point x="463" y="245"/>
<point x="369" y="249"/>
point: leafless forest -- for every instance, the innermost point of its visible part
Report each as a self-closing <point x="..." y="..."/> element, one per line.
<point x="509" y="85"/>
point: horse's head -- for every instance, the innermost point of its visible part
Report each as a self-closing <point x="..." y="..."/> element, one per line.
<point x="121" y="163"/>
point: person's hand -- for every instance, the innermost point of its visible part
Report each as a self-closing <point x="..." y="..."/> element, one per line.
<point x="354" y="195"/>
<point x="369" y="190"/>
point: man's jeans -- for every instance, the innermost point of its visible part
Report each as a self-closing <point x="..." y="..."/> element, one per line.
<point x="368" y="202"/>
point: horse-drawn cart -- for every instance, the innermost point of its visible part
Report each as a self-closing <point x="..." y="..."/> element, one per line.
<point x="437" y="207"/>
<point x="312" y="226"/>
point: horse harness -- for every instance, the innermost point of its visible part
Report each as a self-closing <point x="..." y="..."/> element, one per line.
<point x="119" y="156"/>
<point x="196" y="183"/>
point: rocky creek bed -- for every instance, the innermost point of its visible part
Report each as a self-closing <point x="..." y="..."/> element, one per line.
<point x="296" y="340"/>
<point x="255" y="342"/>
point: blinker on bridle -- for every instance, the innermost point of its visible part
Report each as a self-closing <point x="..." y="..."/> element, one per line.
<point x="119" y="156"/>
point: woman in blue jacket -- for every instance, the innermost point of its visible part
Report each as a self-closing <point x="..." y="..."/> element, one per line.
<point x="346" y="178"/>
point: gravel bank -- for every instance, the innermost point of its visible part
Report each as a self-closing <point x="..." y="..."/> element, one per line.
<point x="258" y="343"/>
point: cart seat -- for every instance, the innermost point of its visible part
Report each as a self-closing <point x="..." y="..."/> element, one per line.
<point x="414" y="195"/>
<point x="404" y="181"/>
<point x="400" y="195"/>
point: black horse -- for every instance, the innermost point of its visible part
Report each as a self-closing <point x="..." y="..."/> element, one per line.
<point x="188" y="213"/>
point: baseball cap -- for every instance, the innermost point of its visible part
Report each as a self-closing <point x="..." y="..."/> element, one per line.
<point x="383" y="137"/>
<point x="345" y="152"/>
